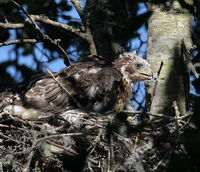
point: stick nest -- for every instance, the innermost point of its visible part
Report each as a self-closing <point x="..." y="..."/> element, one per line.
<point x="77" y="141"/>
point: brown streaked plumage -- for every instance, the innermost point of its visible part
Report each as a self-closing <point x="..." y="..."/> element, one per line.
<point x="94" y="82"/>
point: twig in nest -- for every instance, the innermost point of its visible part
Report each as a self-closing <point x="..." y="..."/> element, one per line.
<point x="109" y="163"/>
<point x="126" y="142"/>
<point x="5" y="102"/>
<point x="177" y="113"/>
<point x="111" y="154"/>
<point x="30" y="156"/>
<point x="134" y="147"/>
<point x="67" y="149"/>
<point x="9" y="138"/>
<point x="161" y="161"/>
<point x="95" y="142"/>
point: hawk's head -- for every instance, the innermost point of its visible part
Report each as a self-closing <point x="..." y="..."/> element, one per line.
<point x="133" y="67"/>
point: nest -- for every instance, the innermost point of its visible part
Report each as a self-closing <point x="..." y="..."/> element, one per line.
<point x="78" y="141"/>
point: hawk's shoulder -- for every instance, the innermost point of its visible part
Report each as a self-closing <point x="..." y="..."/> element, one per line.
<point x="94" y="81"/>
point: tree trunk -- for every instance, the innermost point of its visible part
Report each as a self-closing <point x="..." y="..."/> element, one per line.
<point x="167" y="29"/>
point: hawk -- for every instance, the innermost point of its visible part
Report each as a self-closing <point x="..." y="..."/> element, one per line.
<point x="92" y="83"/>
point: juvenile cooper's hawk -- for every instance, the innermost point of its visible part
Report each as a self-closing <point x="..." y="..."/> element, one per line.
<point x="95" y="83"/>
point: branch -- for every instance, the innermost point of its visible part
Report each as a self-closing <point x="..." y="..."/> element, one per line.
<point x="55" y="43"/>
<point x="33" y="18"/>
<point x="18" y="41"/>
<point x="46" y="21"/>
<point x="77" y="6"/>
<point x="12" y="26"/>
<point x="89" y="36"/>
<point x="57" y="24"/>
<point x="68" y="149"/>
<point x="26" y="13"/>
<point x="9" y="138"/>
<point x="30" y="156"/>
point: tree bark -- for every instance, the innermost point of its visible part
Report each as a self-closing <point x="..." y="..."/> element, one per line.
<point x="168" y="27"/>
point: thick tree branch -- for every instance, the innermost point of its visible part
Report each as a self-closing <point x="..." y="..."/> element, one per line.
<point x="88" y="34"/>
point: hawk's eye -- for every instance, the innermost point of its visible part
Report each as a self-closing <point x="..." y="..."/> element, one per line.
<point x="138" y="66"/>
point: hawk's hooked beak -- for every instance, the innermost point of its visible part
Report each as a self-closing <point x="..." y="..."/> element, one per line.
<point x="148" y="75"/>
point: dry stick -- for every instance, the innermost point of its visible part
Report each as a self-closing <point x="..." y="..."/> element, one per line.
<point x="45" y="37"/>
<point x="44" y="138"/>
<point x="161" y="161"/>
<point x="60" y="135"/>
<point x="46" y="21"/>
<point x="55" y="43"/>
<point x="5" y="102"/>
<point x="63" y="147"/>
<point x="109" y="160"/>
<point x="18" y="41"/>
<point x="30" y="156"/>
<point x="94" y="143"/>
<point x="91" y="160"/>
<point x="58" y="24"/>
<point x="2" y="135"/>
<point x="177" y="113"/>
<point x="12" y="26"/>
<point x="127" y="143"/>
<point x="136" y="140"/>
<point x="112" y="156"/>
<point x="148" y="113"/>
<point x="75" y="101"/>
<point x="26" y="13"/>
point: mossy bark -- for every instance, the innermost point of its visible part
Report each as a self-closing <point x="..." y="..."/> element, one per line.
<point x="167" y="29"/>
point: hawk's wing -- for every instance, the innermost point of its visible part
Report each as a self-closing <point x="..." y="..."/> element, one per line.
<point x="93" y="81"/>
